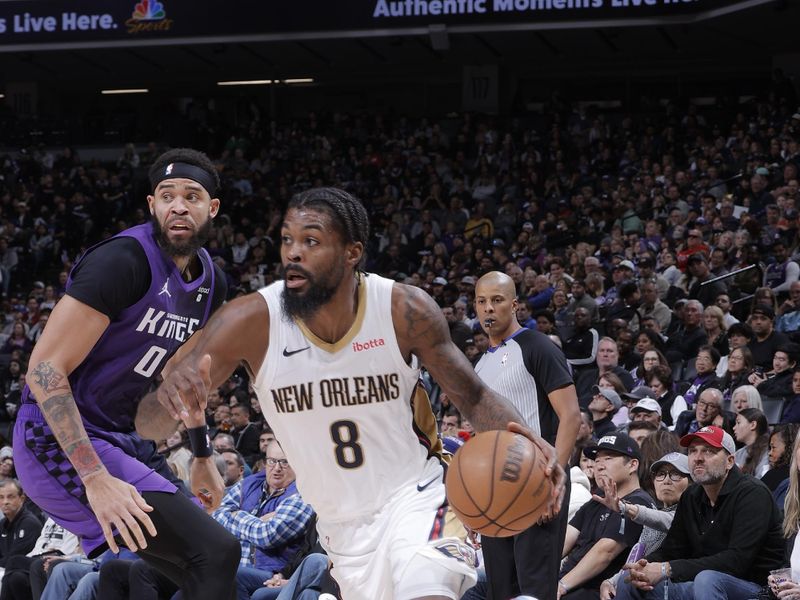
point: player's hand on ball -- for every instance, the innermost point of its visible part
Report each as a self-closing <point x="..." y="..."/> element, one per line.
<point x="184" y="392"/>
<point x="118" y="504"/>
<point x="207" y="483"/>
<point x="554" y="472"/>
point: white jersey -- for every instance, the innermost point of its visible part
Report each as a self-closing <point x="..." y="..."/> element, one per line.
<point x="351" y="416"/>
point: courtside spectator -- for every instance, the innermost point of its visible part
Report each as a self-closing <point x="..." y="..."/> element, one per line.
<point x="597" y="543"/>
<point x="726" y="535"/>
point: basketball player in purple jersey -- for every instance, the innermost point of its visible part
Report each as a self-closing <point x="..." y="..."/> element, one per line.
<point x="132" y="302"/>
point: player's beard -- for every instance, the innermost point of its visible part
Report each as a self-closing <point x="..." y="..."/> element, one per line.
<point x="302" y="304"/>
<point x="187" y="248"/>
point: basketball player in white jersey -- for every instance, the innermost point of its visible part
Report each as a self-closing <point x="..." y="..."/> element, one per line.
<point x="334" y="357"/>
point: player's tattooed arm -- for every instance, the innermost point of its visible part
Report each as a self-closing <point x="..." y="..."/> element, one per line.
<point x="120" y="510"/>
<point x="52" y="390"/>
<point x="422" y="331"/>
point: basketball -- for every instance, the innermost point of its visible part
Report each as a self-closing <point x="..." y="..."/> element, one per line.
<point x="496" y="483"/>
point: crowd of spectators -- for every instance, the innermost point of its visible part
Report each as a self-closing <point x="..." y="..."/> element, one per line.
<point x="659" y="251"/>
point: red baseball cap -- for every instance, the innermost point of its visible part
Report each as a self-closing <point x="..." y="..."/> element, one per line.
<point x="713" y="436"/>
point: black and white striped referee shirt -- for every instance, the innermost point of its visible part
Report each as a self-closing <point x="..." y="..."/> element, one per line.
<point x="525" y="368"/>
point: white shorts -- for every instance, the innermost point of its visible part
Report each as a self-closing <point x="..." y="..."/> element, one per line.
<point x="389" y="555"/>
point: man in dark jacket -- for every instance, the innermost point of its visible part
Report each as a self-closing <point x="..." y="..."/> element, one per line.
<point x="707" y="411"/>
<point x="701" y="290"/>
<point x="689" y="336"/>
<point x="19" y="528"/>
<point x="245" y="433"/>
<point x="726" y="535"/>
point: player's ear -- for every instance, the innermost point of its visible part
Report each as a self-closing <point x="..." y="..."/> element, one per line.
<point x="354" y="252"/>
<point x="151" y="203"/>
<point x="213" y="208"/>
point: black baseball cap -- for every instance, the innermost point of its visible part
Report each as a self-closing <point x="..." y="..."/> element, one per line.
<point x="620" y="443"/>
<point x="765" y="310"/>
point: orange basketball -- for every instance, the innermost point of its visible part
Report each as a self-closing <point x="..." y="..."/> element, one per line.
<point x="496" y="483"/>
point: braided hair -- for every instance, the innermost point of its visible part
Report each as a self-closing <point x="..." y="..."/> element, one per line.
<point x="347" y="213"/>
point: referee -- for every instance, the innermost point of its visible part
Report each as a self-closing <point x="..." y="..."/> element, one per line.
<point x="531" y="371"/>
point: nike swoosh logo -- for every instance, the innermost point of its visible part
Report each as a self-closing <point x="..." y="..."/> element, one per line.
<point x="422" y="488"/>
<point x="287" y="352"/>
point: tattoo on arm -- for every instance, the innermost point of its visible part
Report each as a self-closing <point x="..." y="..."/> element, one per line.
<point x="48" y="378"/>
<point x="83" y="457"/>
<point x="419" y="323"/>
<point x="65" y="421"/>
<point x="493" y="411"/>
<point x="427" y="335"/>
<point x="63" y="416"/>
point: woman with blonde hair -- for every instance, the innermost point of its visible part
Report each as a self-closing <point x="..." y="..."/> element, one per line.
<point x="595" y="288"/>
<point x="716" y="329"/>
<point x="791" y="522"/>
<point x="791" y="507"/>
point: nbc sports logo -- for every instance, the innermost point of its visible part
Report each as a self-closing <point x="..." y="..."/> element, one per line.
<point x="148" y="10"/>
<point x="148" y="16"/>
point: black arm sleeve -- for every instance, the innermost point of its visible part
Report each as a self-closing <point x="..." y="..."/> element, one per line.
<point x="112" y="277"/>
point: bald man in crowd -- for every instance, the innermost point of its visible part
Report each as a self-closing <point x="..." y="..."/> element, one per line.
<point x="531" y="371"/>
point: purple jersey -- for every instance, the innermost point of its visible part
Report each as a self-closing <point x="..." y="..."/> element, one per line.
<point x="121" y="367"/>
